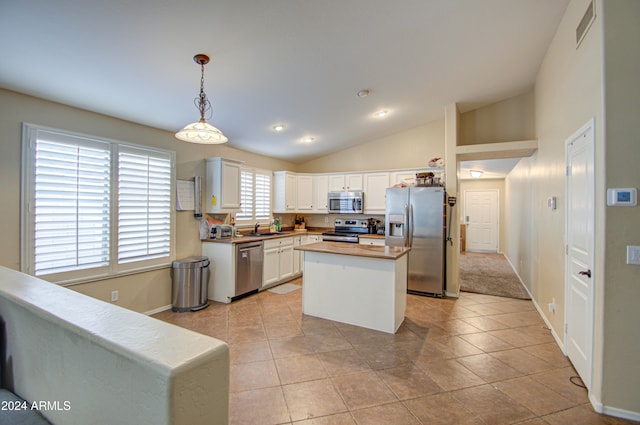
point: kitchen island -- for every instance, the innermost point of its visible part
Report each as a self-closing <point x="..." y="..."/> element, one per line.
<point x="361" y="285"/>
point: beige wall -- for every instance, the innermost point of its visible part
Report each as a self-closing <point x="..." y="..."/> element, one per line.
<point x="409" y="149"/>
<point x="573" y="86"/>
<point x="139" y="292"/>
<point x="568" y="92"/>
<point x="509" y="120"/>
<point x="621" y="333"/>
<point x="485" y="184"/>
<point x="518" y="222"/>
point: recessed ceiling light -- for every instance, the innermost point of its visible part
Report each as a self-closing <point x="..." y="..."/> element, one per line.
<point x="363" y="93"/>
<point x="279" y="127"/>
<point x="476" y="174"/>
<point x="308" y="140"/>
<point x="381" y="114"/>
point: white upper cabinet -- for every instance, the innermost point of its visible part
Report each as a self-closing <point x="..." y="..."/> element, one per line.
<point x="307" y="193"/>
<point x="397" y="177"/>
<point x="321" y="188"/>
<point x="285" y="188"/>
<point x="375" y="189"/>
<point x="347" y="182"/>
<point x="304" y="198"/>
<point x="222" y="185"/>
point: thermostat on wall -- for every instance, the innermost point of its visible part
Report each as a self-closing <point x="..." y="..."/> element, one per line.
<point x="627" y="197"/>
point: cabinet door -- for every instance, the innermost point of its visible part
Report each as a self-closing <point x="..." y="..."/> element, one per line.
<point x="353" y="182"/>
<point x="230" y="185"/>
<point x="305" y="193"/>
<point x="336" y="182"/>
<point x="321" y="189"/>
<point x="286" y="262"/>
<point x="297" y="265"/>
<point x="401" y="176"/>
<point x="290" y="189"/>
<point x="375" y="189"/>
<point x="271" y="266"/>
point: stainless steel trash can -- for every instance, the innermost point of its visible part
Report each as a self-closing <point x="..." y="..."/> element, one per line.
<point x="190" y="284"/>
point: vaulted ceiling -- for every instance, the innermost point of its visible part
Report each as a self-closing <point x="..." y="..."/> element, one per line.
<point x="294" y="62"/>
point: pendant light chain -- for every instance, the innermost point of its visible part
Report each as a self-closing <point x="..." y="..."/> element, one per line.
<point x="202" y="103"/>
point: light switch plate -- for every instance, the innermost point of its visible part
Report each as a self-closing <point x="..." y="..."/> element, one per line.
<point x="633" y="254"/>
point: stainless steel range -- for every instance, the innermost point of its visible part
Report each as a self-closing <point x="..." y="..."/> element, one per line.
<point x="346" y="230"/>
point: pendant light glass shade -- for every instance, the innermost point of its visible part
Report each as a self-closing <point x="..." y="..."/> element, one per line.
<point x="201" y="132"/>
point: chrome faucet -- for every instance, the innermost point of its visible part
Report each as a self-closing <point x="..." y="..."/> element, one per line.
<point x="255" y="228"/>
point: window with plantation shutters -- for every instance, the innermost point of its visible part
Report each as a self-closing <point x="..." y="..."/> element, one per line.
<point x="246" y="195"/>
<point x="71" y="204"/>
<point x="263" y="195"/>
<point x="144" y="205"/>
<point x="255" y="195"/>
<point x="92" y="207"/>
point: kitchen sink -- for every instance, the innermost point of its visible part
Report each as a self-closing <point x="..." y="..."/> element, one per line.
<point x="267" y="234"/>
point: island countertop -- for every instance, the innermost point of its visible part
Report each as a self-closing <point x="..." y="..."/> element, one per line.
<point x="342" y="248"/>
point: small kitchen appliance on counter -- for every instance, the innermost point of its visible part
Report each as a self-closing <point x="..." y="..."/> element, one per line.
<point x="210" y="230"/>
<point x="346" y="230"/>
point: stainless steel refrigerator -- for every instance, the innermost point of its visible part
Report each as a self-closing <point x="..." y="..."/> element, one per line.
<point x="415" y="217"/>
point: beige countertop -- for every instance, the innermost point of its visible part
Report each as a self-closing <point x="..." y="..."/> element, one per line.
<point x="246" y="238"/>
<point x="342" y="248"/>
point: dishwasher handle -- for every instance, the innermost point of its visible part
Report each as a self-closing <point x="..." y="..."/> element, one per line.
<point x="249" y="245"/>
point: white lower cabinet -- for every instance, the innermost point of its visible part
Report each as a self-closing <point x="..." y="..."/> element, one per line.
<point x="278" y="261"/>
<point x="297" y="255"/>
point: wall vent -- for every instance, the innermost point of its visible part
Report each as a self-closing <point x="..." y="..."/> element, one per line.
<point x="585" y="23"/>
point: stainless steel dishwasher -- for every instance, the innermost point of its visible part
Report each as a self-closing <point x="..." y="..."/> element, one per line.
<point x="249" y="261"/>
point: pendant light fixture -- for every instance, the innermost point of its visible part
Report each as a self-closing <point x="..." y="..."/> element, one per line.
<point x="201" y="131"/>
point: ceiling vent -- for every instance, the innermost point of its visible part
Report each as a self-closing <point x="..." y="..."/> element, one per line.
<point x="585" y="23"/>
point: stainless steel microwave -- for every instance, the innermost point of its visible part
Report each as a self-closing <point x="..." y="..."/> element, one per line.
<point x="345" y="202"/>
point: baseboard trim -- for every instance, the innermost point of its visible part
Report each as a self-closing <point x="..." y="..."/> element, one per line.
<point x="613" y="411"/>
<point x="157" y="310"/>
<point x="556" y="337"/>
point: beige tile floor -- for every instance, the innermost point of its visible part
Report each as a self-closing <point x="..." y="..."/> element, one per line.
<point x="475" y="360"/>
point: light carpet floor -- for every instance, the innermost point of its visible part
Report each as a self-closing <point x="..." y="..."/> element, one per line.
<point x="490" y="274"/>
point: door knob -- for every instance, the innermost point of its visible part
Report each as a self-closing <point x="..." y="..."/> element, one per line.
<point x="585" y="273"/>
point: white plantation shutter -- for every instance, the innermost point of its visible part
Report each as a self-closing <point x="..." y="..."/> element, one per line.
<point x="71" y="204"/>
<point x="92" y="207"/>
<point x="144" y="205"/>
<point x="255" y="195"/>
<point x="246" y="195"/>
<point x="263" y="195"/>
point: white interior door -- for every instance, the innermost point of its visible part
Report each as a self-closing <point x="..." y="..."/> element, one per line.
<point x="580" y="278"/>
<point x="481" y="218"/>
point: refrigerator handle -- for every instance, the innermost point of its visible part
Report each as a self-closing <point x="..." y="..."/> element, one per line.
<point x="405" y="235"/>
<point x="410" y="225"/>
